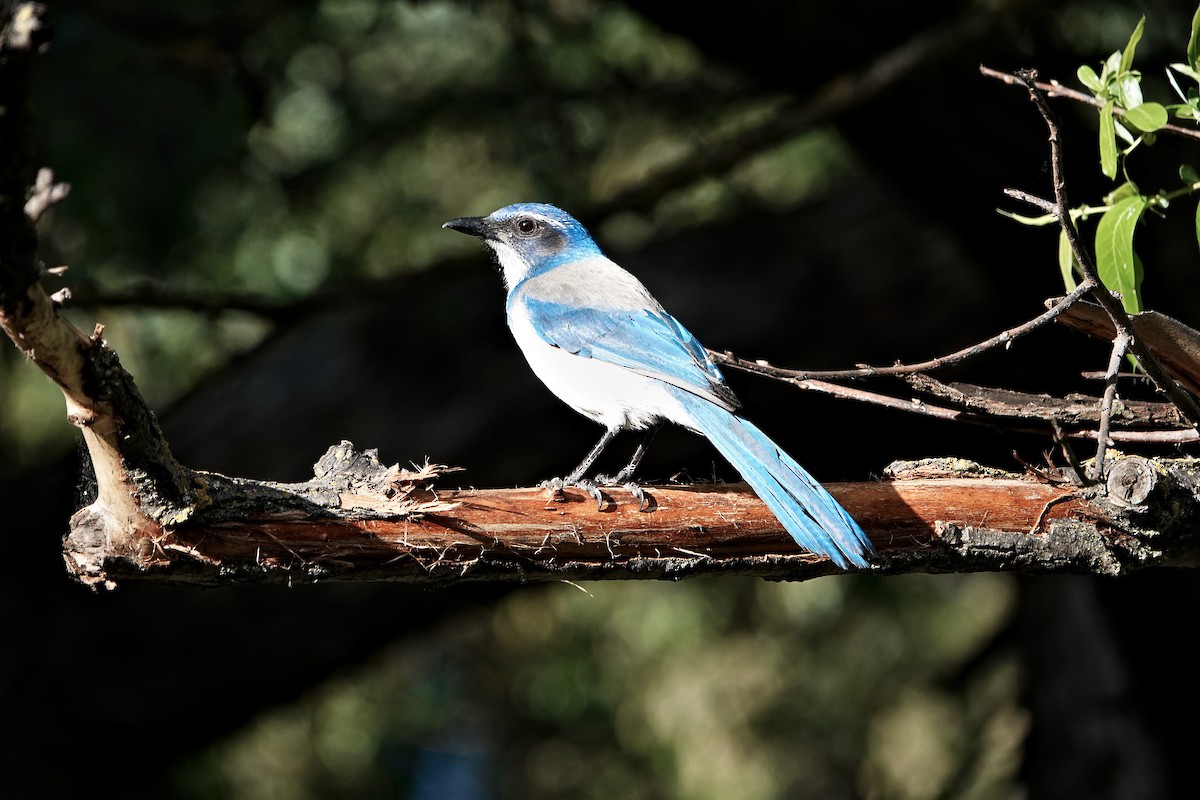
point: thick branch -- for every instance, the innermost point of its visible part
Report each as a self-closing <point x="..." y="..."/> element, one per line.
<point x="140" y="484"/>
<point x="1073" y="410"/>
<point x="937" y="517"/>
<point x="1175" y="345"/>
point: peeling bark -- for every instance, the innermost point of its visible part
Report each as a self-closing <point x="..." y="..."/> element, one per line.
<point x="357" y="520"/>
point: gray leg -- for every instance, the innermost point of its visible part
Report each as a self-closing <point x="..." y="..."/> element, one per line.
<point x="625" y="476"/>
<point x="591" y="457"/>
<point x="576" y="477"/>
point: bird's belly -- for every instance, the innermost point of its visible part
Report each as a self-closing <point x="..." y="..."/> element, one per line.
<point x="611" y="395"/>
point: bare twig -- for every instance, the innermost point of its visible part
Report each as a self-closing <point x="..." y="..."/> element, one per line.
<point x="911" y="405"/>
<point x="1004" y="338"/>
<point x="1120" y="345"/>
<point x="989" y="417"/>
<point x="1074" y="410"/>
<point x="45" y="194"/>
<point x="1056" y="89"/>
<point x="1068" y="452"/>
<point x="1146" y="437"/>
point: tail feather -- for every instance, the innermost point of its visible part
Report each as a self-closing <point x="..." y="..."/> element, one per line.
<point x="814" y="519"/>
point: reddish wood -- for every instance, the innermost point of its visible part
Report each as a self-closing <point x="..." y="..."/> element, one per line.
<point x="525" y="534"/>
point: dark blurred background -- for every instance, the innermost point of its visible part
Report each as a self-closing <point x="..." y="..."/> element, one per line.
<point x="257" y="194"/>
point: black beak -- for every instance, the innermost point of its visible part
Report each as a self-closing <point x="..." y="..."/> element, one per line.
<point x="475" y="226"/>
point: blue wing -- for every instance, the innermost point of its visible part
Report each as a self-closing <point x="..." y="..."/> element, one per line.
<point x="648" y="341"/>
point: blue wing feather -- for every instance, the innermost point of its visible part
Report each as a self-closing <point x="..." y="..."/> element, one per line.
<point x="647" y="341"/>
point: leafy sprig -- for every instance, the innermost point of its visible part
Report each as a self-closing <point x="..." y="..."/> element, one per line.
<point x="1127" y="117"/>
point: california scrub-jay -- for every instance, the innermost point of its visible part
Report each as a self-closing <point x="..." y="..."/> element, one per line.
<point x="604" y="345"/>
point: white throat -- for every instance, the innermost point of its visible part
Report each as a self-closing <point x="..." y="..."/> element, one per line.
<point x="514" y="267"/>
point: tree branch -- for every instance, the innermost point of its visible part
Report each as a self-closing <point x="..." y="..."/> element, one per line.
<point x="1074" y="410"/>
<point x="1120" y="345"/>
<point x="1005" y="338"/>
<point x="1056" y="89"/>
<point x="936" y="516"/>
<point x="1087" y="269"/>
<point x="358" y="520"/>
<point x="140" y="484"/>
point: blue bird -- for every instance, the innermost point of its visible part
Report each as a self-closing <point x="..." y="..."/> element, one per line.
<point x="601" y="342"/>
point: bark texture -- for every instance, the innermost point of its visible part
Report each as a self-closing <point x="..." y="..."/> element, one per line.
<point x="358" y="520"/>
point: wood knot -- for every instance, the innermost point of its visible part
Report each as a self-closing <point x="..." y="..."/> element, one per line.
<point x="1130" y="481"/>
<point x="82" y="417"/>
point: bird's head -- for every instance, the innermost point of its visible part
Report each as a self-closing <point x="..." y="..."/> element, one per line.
<point x="529" y="238"/>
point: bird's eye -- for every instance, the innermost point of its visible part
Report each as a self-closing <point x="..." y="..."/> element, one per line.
<point x="526" y="226"/>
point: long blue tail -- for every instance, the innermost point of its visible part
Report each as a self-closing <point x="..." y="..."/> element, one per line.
<point x="814" y="519"/>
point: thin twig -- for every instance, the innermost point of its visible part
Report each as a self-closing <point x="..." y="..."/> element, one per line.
<point x="1146" y="437"/>
<point x="1004" y="338"/>
<point x="925" y="409"/>
<point x="912" y="406"/>
<point x="1120" y="345"/>
<point x="1184" y="402"/>
<point x="44" y="194"/>
<point x="1068" y="452"/>
<point x="1056" y="89"/>
<point x="1037" y="525"/>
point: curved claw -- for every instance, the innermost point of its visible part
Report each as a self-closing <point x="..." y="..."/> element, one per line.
<point x="556" y="485"/>
<point x="594" y="490"/>
<point x="639" y="493"/>
<point x="645" y="500"/>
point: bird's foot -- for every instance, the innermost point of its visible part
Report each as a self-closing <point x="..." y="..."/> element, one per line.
<point x="556" y="486"/>
<point x="646" y="501"/>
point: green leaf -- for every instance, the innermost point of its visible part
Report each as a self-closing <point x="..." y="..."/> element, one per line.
<point x="1124" y="135"/>
<point x="1134" y="38"/>
<point x="1184" y="69"/>
<point x="1193" y="48"/>
<point x="1111" y="67"/>
<point x="1147" y="117"/>
<point x="1087" y="76"/>
<point x="1127" y="189"/>
<point x="1046" y="219"/>
<point x="1188" y="174"/>
<point x="1108" y="141"/>
<point x="1066" y="261"/>
<point x="1129" y="90"/>
<point x="1185" y="112"/>
<point x="1115" y="261"/>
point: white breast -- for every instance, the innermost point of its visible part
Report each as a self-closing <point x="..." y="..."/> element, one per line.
<point x="611" y="395"/>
